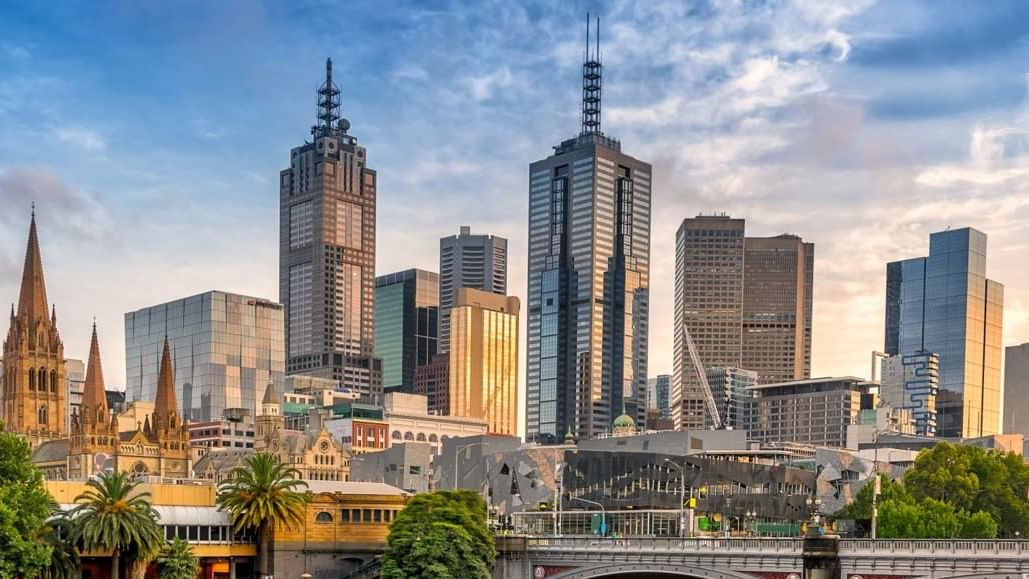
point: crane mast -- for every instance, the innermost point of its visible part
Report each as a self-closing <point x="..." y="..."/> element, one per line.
<point x="709" y="397"/>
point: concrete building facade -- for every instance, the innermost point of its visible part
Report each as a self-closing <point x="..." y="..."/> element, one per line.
<point x="912" y="382"/>
<point x="1016" y="389"/>
<point x="815" y="411"/>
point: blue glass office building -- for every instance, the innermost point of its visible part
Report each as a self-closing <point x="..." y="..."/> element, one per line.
<point x="944" y="304"/>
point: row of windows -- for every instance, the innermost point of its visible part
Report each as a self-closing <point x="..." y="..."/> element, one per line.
<point x="358" y="516"/>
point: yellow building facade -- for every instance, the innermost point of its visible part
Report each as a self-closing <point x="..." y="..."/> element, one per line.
<point x="484" y="359"/>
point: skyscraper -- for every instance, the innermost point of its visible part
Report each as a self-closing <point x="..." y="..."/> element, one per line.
<point x="473" y="261"/>
<point x="778" y="282"/>
<point x="747" y="303"/>
<point x="912" y="382"/>
<point x="659" y="389"/>
<point x="1016" y="389"/>
<point x="709" y="254"/>
<point x="484" y="359"/>
<point x="406" y="324"/>
<point x="589" y="268"/>
<point x="327" y="253"/>
<point x="33" y="400"/>
<point x="225" y="349"/>
<point x="944" y="304"/>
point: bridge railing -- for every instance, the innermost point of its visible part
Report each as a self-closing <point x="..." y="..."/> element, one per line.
<point x="930" y="547"/>
<point x="697" y="545"/>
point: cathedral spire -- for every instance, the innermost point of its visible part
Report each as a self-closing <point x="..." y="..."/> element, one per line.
<point x="94" y="395"/>
<point x="32" y="304"/>
<point x="165" y="406"/>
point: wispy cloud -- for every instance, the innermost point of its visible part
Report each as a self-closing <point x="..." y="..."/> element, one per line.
<point x="82" y="137"/>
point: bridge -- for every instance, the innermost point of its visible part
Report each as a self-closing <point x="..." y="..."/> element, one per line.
<point x="521" y="557"/>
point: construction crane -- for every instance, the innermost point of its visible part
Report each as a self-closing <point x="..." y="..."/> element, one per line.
<point x="709" y="397"/>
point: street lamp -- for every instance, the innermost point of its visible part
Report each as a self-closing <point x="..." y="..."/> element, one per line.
<point x="814" y="504"/>
<point x="682" y="497"/>
<point x="750" y="520"/>
<point x="603" y="511"/>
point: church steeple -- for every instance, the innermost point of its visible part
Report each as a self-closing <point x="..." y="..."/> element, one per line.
<point x="94" y="395"/>
<point x="32" y="304"/>
<point x="166" y="408"/>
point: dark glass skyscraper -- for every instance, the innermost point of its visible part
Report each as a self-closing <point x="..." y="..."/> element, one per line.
<point x="589" y="269"/>
<point x="327" y="253"/>
<point x="406" y="309"/>
<point x="944" y="304"/>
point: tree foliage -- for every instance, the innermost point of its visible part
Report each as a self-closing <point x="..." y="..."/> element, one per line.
<point x="24" y="509"/>
<point x="951" y="491"/>
<point x="440" y="535"/>
<point x="261" y="495"/>
<point x="59" y="535"/>
<point x="112" y="515"/>
<point x="177" y="561"/>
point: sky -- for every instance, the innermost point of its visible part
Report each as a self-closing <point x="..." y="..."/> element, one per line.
<point x="150" y="137"/>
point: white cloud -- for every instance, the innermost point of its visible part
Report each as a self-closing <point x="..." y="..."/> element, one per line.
<point x="82" y="137"/>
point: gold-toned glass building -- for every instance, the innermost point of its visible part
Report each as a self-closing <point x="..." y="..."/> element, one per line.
<point x="484" y="359"/>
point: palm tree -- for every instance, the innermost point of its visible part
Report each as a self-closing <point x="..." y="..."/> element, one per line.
<point x="260" y="495"/>
<point x="58" y="534"/>
<point x="110" y="516"/>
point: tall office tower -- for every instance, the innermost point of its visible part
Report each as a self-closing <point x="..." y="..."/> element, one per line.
<point x="709" y="254"/>
<point x="912" y="382"/>
<point x="944" y="304"/>
<point x="484" y="359"/>
<point x="406" y="324"/>
<point x="225" y="349"/>
<point x="466" y="260"/>
<point x="589" y="269"/>
<point x="733" y="397"/>
<point x="33" y="398"/>
<point x="75" y="378"/>
<point x="658" y="390"/>
<point x="1016" y="389"/>
<point x="778" y="282"/>
<point x="327" y="253"/>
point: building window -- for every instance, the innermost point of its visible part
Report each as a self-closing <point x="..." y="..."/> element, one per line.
<point x="344" y="516"/>
<point x="378" y="515"/>
<point x="366" y="515"/>
<point x="323" y="517"/>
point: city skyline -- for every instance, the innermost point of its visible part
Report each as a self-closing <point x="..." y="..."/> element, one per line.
<point x="163" y="217"/>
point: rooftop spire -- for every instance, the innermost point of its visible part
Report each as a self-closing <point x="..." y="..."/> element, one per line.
<point x="329" y="105"/>
<point x="591" y="84"/>
<point x="32" y="303"/>
<point x="165" y="406"/>
<point x="94" y="396"/>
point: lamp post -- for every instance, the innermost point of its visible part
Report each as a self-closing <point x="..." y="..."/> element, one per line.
<point x="603" y="511"/>
<point x="750" y="520"/>
<point x="814" y="504"/>
<point x="682" y="497"/>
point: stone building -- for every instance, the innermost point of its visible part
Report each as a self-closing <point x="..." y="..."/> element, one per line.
<point x="159" y="445"/>
<point x="33" y="397"/>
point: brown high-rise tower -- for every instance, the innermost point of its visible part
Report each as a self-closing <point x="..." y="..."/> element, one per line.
<point x="33" y="398"/>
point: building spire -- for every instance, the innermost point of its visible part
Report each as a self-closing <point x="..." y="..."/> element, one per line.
<point x="94" y="395"/>
<point x="329" y="106"/>
<point x="32" y="304"/>
<point x="591" y="84"/>
<point x="165" y="406"/>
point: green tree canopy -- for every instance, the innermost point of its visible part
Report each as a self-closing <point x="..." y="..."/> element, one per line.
<point x="177" y="561"/>
<point x="24" y="509"/>
<point x="440" y="535"/>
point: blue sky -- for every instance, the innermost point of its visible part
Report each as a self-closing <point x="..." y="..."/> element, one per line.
<point x="150" y="136"/>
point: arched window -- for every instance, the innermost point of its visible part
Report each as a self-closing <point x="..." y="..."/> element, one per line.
<point x="421" y="437"/>
<point x="42" y="415"/>
<point x="433" y="438"/>
<point x="41" y="381"/>
<point x="32" y="379"/>
<point x="396" y="435"/>
<point x="53" y="380"/>
<point x="408" y="436"/>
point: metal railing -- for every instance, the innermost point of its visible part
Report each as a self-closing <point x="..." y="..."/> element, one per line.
<point x="935" y="547"/>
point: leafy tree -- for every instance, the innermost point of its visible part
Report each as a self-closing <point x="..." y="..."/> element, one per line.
<point x="24" y="509"/>
<point x="59" y="534"/>
<point x="113" y="516"/>
<point x="177" y="561"/>
<point x="261" y="495"/>
<point x="860" y="509"/>
<point x="440" y="535"/>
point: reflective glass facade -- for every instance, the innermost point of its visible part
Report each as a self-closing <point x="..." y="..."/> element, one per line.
<point x="588" y="295"/>
<point x="468" y="260"/>
<point x="406" y="324"/>
<point x="658" y="394"/>
<point x="225" y="349"/>
<point x="944" y="304"/>
<point x="484" y="359"/>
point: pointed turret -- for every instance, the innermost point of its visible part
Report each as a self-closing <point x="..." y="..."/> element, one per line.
<point x="94" y="395"/>
<point x="166" y="409"/>
<point x="32" y="304"/>
<point x="271" y="404"/>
